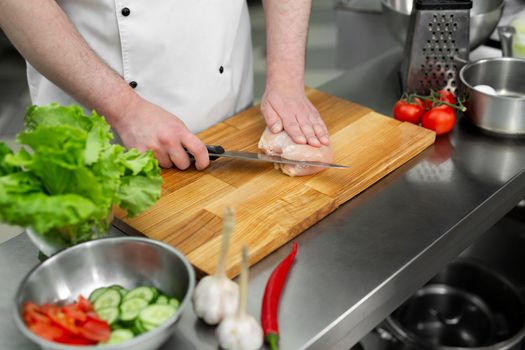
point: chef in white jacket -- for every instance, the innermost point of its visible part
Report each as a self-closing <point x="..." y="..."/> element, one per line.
<point x="162" y="70"/>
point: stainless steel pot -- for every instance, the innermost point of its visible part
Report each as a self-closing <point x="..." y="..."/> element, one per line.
<point x="465" y="307"/>
<point x="501" y="111"/>
<point x="484" y="17"/>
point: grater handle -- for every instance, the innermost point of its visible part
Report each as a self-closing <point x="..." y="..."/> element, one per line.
<point x="443" y="4"/>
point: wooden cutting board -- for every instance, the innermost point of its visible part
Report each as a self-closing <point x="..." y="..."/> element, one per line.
<point x="272" y="208"/>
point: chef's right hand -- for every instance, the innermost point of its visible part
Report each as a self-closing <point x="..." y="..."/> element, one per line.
<point x="147" y="126"/>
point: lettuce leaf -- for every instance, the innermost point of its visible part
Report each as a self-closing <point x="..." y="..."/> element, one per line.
<point x="137" y="193"/>
<point x="70" y="175"/>
<point x="97" y="139"/>
<point x="55" y="115"/>
<point x="23" y="203"/>
<point x="5" y="167"/>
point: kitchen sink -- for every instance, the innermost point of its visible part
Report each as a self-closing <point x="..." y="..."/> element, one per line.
<point x="501" y="249"/>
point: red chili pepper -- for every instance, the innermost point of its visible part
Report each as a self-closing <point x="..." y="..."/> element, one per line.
<point x="272" y="295"/>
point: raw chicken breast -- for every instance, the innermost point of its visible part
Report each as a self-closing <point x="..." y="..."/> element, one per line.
<point x="282" y="145"/>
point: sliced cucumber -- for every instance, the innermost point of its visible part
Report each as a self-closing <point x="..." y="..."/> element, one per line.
<point x="109" y="314"/>
<point x="148" y="326"/>
<point x="110" y="298"/>
<point x="138" y="327"/>
<point x="123" y="291"/>
<point x="147" y="293"/>
<point x="131" y="308"/>
<point x="117" y="325"/>
<point x="119" y="336"/>
<point x="96" y="293"/>
<point x="162" y="299"/>
<point x="174" y="303"/>
<point x="155" y="315"/>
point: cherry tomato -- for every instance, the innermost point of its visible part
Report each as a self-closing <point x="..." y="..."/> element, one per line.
<point x="447" y="96"/>
<point x="441" y="119"/>
<point x="442" y="95"/>
<point x="409" y="111"/>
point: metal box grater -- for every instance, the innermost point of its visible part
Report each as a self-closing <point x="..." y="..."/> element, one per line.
<point x="437" y="45"/>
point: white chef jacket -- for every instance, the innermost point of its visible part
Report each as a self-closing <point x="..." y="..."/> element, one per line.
<point x="191" y="57"/>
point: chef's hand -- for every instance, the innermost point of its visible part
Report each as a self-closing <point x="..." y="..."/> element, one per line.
<point x="147" y="126"/>
<point x="292" y="111"/>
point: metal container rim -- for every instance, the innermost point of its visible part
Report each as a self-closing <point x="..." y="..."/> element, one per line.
<point x="482" y="61"/>
<point x="124" y="345"/>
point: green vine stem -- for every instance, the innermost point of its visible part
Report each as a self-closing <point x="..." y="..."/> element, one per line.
<point x="435" y="99"/>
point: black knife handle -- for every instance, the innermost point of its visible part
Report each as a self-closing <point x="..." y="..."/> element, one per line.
<point x="215" y="149"/>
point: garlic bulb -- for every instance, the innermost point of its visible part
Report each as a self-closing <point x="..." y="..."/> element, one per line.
<point x="214" y="298"/>
<point x="217" y="296"/>
<point x="241" y="331"/>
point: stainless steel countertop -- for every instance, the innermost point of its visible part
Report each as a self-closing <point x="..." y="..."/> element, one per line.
<point x="358" y="264"/>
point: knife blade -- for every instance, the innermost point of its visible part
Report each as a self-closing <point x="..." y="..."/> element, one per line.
<point x="216" y="151"/>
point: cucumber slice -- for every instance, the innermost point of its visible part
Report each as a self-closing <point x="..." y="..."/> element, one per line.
<point x="117" y="325"/>
<point x="148" y="326"/>
<point x="138" y="327"/>
<point x="108" y="314"/>
<point x="131" y="308"/>
<point x="162" y="299"/>
<point x="96" y="293"/>
<point x="123" y="291"/>
<point x="119" y="336"/>
<point x="174" y="303"/>
<point x="147" y="293"/>
<point x="110" y="298"/>
<point x="155" y="315"/>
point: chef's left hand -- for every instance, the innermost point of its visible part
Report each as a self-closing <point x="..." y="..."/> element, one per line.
<point x="292" y="111"/>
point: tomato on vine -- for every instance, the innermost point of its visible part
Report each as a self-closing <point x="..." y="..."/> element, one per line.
<point x="440" y="119"/>
<point x="409" y="110"/>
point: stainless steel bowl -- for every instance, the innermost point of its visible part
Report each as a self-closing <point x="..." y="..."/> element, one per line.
<point x="503" y="113"/>
<point x="484" y="17"/>
<point x="127" y="261"/>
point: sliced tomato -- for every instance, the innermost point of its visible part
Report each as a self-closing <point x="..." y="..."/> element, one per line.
<point x="45" y="308"/>
<point x="31" y="307"/>
<point x="31" y="317"/>
<point x="84" y="304"/>
<point x="95" y="329"/>
<point x="31" y="313"/>
<point x="92" y="314"/>
<point x="74" y="312"/>
<point x="63" y="320"/>
<point x="50" y="332"/>
<point x="75" y="324"/>
<point x="73" y="339"/>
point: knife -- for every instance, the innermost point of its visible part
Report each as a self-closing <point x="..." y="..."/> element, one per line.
<point x="217" y="151"/>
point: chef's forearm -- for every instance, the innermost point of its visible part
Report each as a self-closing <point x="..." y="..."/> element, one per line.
<point x="286" y="32"/>
<point x="43" y="34"/>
